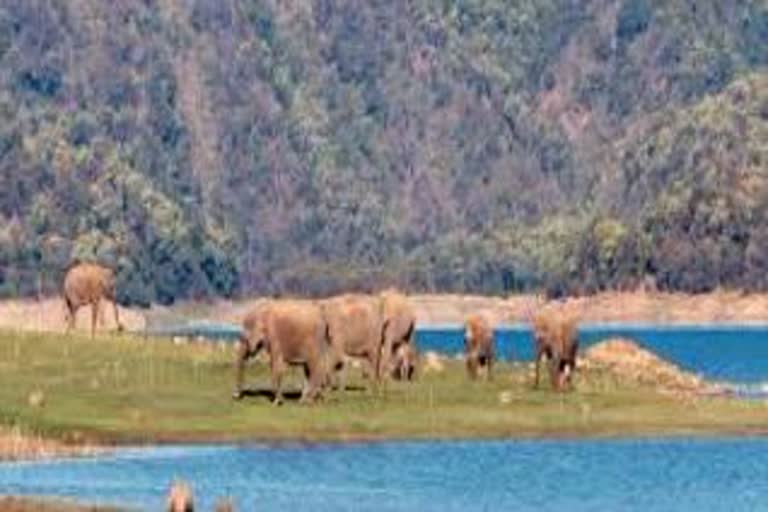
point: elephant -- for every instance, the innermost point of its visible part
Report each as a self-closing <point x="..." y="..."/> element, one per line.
<point x="556" y="338"/>
<point x="354" y="330"/>
<point x="89" y="283"/>
<point x="293" y="332"/>
<point x="404" y="362"/>
<point x="399" y="326"/>
<point x="479" y="345"/>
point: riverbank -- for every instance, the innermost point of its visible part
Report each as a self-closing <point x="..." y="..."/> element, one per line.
<point x="607" y="307"/>
<point x="124" y="390"/>
<point x="17" y="504"/>
<point x="432" y="310"/>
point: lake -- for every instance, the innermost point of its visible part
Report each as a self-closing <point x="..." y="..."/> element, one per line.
<point x="586" y="475"/>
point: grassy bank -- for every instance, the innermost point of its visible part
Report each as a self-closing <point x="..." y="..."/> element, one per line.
<point x="123" y="389"/>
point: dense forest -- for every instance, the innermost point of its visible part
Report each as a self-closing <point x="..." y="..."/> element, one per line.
<point x="223" y="147"/>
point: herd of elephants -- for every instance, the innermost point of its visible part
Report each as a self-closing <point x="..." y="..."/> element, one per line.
<point x="322" y="335"/>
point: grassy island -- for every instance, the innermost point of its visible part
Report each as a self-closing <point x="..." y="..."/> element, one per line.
<point x="123" y="389"/>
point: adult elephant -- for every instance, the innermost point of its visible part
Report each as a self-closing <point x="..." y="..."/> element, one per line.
<point x="479" y="346"/>
<point x="556" y="338"/>
<point x="293" y="332"/>
<point x="398" y="327"/>
<point x="89" y="283"/>
<point x="355" y="326"/>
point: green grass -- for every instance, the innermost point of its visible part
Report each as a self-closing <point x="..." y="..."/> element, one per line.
<point x="124" y="389"/>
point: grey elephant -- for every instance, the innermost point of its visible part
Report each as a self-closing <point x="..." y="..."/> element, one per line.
<point x="89" y="283"/>
<point x="293" y="332"/>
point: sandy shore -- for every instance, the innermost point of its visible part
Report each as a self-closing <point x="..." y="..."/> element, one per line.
<point x="17" y="504"/>
<point x="431" y="310"/>
<point x="49" y="315"/>
<point x="608" y="307"/>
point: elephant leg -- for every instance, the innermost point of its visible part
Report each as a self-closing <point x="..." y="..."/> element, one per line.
<point x="118" y="325"/>
<point x="70" y="312"/>
<point x="383" y="361"/>
<point x="277" y="378"/>
<point x="241" y="358"/>
<point x="367" y="367"/>
<point x="472" y="364"/>
<point x="305" y="389"/>
<point x="554" y="372"/>
<point x="313" y="373"/>
<point x="343" y="375"/>
<point x="94" y="317"/>
<point x="337" y="371"/>
<point x="539" y="355"/>
<point x="102" y="322"/>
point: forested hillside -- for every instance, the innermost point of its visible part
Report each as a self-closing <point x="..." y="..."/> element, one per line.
<point x="215" y="147"/>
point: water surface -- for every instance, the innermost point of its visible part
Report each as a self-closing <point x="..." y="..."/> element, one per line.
<point x="587" y="475"/>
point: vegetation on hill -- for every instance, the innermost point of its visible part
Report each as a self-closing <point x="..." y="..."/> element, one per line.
<point x="210" y="147"/>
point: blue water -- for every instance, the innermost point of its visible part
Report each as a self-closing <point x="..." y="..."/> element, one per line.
<point x="595" y="475"/>
<point x="731" y="353"/>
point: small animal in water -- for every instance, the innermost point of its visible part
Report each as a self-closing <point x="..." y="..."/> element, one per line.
<point x="180" y="498"/>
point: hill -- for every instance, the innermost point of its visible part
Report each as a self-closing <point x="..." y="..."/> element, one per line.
<point x="217" y="147"/>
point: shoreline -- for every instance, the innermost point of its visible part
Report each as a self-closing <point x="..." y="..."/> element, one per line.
<point x="435" y="311"/>
<point x="694" y="433"/>
<point x="12" y="503"/>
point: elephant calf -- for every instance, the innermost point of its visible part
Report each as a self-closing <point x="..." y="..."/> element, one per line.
<point x="294" y="333"/>
<point x="404" y="361"/>
<point x="479" y="345"/>
<point x="399" y="328"/>
<point x="556" y="338"/>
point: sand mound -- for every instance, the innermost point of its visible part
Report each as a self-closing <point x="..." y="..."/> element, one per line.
<point x="628" y="360"/>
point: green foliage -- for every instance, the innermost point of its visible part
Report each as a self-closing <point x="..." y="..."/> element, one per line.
<point x="699" y="184"/>
<point x="256" y="146"/>
<point x="633" y="19"/>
